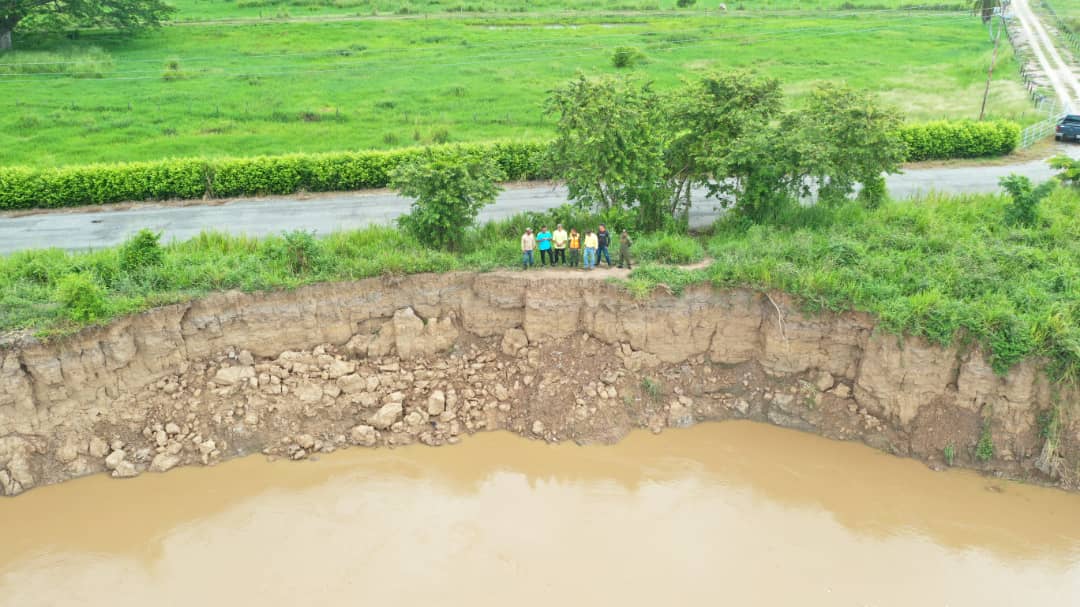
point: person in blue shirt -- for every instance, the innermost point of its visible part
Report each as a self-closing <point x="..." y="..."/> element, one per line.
<point x="543" y="244"/>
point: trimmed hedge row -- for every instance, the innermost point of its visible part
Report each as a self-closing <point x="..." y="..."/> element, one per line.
<point x="23" y="188"/>
<point x="944" y="139"/>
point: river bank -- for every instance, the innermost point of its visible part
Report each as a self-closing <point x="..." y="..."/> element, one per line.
<point x="430" y="358"/>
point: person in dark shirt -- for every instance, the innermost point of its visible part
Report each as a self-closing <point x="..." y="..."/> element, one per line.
<point x="603" y="240"/>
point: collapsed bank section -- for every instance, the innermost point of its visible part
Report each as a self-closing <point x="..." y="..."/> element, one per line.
<point x="430" y="358"/>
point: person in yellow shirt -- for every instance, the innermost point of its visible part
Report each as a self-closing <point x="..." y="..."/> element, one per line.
<point x="575" y="248"/>
<point x="591" y="242"/>
<point x="528" y="245"/>
<point x="558" y="243"/>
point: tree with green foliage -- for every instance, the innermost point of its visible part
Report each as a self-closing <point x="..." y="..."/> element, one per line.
<point x="849" y="140"/>
<point x="840" y="139"/>
<point x="985" y="9"/>
<point x="760" y="173"/>
<point x="609" y="146"/>
<point x="449" y="192"/>
<point x="620" y="145"/>
<point x="120" y="14"/>
<point x="1024" y="208"/>
<point x="704" y="119"/>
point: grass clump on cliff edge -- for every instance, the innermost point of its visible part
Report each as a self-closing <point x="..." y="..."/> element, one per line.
<point x="946" y="268"/>
<point x="677" y="249"/>
<point x="51" y="292"/>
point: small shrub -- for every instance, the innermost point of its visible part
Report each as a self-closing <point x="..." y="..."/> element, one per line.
<point x="141" y="251"/>
<point x="300" y="251"/>
<point x="984" y="449"/>
<point x="448" y="194"/>
<point x="1049" y="423"/>
<point x="1023" y="210"/>
<point x="440" y="136"/>
<point x="652" y="388"/>
<point x="950" y="454"/>
<point x="627" y="56"/>
<point x="81" y="298"/>
<point x="685" y="3"/>
<point x="172" y="71"/>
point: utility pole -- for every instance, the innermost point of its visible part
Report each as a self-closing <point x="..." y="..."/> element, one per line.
<point x="990" y="72"/>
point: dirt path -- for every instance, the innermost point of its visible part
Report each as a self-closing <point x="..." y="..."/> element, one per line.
<point x="600" y="273"/>
<point x="1060" y="73"/>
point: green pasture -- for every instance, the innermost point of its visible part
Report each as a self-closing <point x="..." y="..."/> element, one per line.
<point x="203" y="10"/>
<point x="262" y="88"/>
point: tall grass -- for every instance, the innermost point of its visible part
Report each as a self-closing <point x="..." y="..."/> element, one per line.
<point x="79" y="62"/>
<point x="667" y="249"/>
<point x="946" y="268"/>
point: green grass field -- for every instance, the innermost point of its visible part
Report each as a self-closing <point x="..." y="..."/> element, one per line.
<point x="272" y="87"/>
<point x="1069" y="10"/>
<point x="203" y="10"/>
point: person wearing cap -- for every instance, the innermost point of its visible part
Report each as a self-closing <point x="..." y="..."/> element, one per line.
<point x="528" y="245"/>
<point x="558" y="244"/>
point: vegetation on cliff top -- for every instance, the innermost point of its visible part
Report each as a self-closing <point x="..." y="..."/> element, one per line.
<point x="951" y="269"/>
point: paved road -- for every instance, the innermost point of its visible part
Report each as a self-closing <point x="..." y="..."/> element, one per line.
<point x="102" y="226"/>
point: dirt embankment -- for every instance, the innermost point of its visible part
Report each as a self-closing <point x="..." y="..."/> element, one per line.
<point x="431" y="358"/>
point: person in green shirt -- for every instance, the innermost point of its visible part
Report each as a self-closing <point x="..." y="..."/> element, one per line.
<point x="624" y="249"/>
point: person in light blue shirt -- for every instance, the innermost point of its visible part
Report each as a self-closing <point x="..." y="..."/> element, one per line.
<point x="543" y="244"/>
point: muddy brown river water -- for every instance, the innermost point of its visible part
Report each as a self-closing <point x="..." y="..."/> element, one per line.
<point x="735" y="513"/>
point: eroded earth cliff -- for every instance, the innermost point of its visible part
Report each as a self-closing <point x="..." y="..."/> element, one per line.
<point x="431" y="358"/>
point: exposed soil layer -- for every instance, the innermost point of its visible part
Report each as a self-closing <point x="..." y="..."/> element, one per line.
<point x="431" y="357"/>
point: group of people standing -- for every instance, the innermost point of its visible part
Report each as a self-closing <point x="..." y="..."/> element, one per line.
<point x="554" y="246"/>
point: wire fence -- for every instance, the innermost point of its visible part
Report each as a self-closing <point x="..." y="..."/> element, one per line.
<point x="1038" y="93"/>
<point x="1046" y="102"/>
<point x="1040" y="130"/>
<point x="1065" y="31"/>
